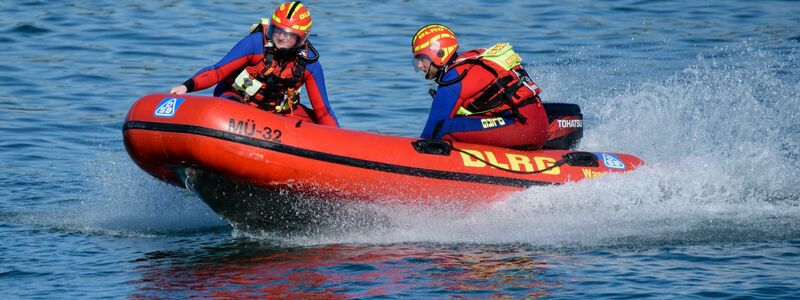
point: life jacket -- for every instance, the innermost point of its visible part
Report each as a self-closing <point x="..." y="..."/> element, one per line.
<point x="510" y="89"/>
<point x="275" y="82"/>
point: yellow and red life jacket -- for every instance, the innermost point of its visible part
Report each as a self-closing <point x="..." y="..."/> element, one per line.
<point x="510" y="88"/>
<point x="274" y="83"/>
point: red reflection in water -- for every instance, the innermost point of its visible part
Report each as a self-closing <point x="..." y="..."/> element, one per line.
<point x="343" y="271"/>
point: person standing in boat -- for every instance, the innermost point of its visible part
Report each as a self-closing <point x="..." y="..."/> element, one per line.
<point x="484" y="96"/>
<point x="269" y="67"/>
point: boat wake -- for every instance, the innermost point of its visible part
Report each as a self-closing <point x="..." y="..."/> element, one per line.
<point x="721" y="141"/>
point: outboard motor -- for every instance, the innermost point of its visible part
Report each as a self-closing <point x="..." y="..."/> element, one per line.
<point x="566" y="126"/>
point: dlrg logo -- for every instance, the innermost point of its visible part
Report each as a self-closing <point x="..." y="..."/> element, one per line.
<point x="167" y="107"/>
<point x="612" y="161"/>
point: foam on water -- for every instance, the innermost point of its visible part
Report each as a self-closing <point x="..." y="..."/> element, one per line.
<point x="721" y="144"/>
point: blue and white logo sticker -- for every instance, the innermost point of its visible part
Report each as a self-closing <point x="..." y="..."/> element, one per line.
<point x="167" y="107"/>
<point x="611" y="161"/>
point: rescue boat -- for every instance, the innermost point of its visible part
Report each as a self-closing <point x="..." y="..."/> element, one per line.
<point x="258" y="169"/>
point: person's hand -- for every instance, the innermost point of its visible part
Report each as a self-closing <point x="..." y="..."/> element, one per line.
<point x="179" y="89"/>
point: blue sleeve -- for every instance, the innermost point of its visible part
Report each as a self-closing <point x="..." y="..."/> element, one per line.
<point x="443" y="104"/>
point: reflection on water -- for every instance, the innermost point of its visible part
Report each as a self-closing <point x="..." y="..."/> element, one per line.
<point x="242" y="270"/>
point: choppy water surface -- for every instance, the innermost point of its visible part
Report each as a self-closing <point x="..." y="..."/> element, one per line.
<point x="706" y="93"/>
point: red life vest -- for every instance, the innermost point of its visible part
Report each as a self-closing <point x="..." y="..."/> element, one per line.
<point x="280" y="75"/>
<point x="510" y="88"/>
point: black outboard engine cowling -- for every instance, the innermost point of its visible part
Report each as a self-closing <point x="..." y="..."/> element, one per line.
<point x="566" y="126"/>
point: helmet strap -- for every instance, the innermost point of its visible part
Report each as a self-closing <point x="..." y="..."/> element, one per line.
<point x="428" y="74"/>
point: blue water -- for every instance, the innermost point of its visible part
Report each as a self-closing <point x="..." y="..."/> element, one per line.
<point x="706" y="92"/>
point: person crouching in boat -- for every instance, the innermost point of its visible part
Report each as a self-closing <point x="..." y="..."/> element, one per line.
<point x="268" y="68"/>
<point x="484" y="96"/>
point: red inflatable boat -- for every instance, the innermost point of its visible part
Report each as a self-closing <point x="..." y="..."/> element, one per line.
<point x="252" y="166"/>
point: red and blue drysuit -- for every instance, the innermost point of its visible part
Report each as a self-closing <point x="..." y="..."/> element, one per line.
<point x="502" y="127"/>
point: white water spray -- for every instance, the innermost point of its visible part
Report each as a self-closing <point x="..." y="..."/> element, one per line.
<point x="122" y="199"/>
<point x="720" y="140"/>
